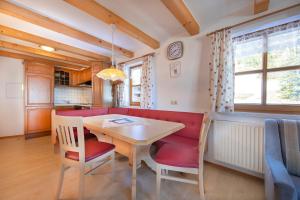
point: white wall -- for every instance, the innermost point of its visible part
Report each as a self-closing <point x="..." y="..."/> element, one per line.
<point x="11" y="97"/>
<point x="190" y="89"/>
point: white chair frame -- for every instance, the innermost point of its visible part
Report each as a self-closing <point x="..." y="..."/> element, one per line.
<point x="64" y="128"/>
<point x="162" y="170"/>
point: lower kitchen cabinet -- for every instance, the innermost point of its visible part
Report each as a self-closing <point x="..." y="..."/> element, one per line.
<point x="37" y="121"/>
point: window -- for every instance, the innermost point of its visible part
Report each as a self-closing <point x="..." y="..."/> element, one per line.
<point x="267" y="69"/>
<point x="135" y="74"/>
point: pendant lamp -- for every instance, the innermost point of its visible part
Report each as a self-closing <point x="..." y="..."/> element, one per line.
<point x="112" y="73"/>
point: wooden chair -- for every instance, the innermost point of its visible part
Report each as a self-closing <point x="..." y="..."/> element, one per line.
<point x="80" y="153"/>
<point x="182" y="159"/>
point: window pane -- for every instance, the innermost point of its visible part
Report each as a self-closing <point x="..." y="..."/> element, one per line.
<point x="136" y="94"/>
<point x="283" y="87"/>
<point x="248" y="55"/>
<point x="248" y="88"/>
<point x="284" y="49"/>
<point x="136" y="75"/>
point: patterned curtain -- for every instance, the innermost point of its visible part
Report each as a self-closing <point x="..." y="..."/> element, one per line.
<point x="221" y="72"/>
<point x="118" y="90"/>
<point x="147" y="83"/>
<point x="283" y="28"/>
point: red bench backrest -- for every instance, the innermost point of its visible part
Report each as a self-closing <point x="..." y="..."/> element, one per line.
<point x="192" y="121"/>
<point x="83" y="113"/>
<point x="121" y="111"/>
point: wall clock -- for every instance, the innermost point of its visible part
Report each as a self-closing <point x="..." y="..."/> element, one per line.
<point x="175" y="50"/>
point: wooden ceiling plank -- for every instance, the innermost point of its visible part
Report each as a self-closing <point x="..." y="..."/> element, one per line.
<point x="34" y="18"/>
<point x="261" y="6"/>
<point x="183" y="15"/>
<point x="4" y="30"/>
<point x="26" y="49"/>
<point x="95" y="9"/>
<point x="32" y="58"/>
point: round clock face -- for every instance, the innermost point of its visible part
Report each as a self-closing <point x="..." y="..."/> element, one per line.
<point x="175" y="50"/>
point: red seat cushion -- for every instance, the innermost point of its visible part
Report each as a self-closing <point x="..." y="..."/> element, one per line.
<point x="93" y="149"/>
<point x="180" y="140"/>
<point x="85" y="131"/>
<point x="178" y="156"/>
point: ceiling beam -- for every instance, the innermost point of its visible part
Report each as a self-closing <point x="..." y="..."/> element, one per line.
<point x="95" y="9"/>
<point x="183" y="15"/>
<point x="32" y="58"/>
<point x="261" y="6"/>
<point x="34" y="18"/>
<point x="4" y="30"/>
<point x="31" y="50"/>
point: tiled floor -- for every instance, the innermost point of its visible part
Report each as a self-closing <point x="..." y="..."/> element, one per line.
<point x="29" y="171"/>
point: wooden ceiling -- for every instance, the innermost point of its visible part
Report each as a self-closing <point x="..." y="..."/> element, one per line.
<point x="79" y="58"/>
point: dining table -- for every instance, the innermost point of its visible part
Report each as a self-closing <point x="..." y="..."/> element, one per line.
<point x="132" y="137"/>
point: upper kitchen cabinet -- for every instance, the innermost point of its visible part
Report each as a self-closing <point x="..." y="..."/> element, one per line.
<point x="66" y="77"/>
<point x="80" y="77"/>
<point x="38" y="84"/>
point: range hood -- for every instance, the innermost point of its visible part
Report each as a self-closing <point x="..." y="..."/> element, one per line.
<point x="86" y="84"/>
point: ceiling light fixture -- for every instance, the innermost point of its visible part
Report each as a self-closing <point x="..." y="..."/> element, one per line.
<point x="47" y="48"/>
<point x="112" y="73"/>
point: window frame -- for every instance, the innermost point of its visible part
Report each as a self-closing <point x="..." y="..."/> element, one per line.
<point x="132" y="103"/>
<point x="263" y="106"/>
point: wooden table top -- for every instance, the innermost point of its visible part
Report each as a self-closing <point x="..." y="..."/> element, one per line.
<point x="141" y="131"/>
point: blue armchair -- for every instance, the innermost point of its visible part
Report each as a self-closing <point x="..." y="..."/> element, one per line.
<point x="279" y="184"/>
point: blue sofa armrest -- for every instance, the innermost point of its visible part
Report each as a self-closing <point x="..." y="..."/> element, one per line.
<point x="278" y="183"/>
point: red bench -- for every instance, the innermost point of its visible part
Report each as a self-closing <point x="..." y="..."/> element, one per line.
<point x="188" y="136"/>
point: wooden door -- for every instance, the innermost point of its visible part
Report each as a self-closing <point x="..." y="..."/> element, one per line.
<point x="39" y="89"/>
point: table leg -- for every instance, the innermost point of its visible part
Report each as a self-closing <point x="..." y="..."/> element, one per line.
<point x="134" y="169"/>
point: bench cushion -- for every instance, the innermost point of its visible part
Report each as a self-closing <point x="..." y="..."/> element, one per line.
<point x="173" y="155"/>
<point x="93" y="149"/>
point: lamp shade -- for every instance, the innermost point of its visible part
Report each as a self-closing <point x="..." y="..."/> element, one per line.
<point x="112" y="74"/>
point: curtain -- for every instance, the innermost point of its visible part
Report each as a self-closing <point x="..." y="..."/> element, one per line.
<point x="118" y="90"/>
<point x="147" y="83"/>
<point x="221" y="72"/>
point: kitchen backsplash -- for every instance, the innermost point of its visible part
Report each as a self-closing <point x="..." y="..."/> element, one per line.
<point x="72" y="95"/>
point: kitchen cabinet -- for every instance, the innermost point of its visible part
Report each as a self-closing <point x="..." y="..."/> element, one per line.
<point x="71" y="77"/>
<point x="101" y="89"/>
<point x="38" y="90"/>
<point x="79" y="77"/>
<point x="62" y="77"/>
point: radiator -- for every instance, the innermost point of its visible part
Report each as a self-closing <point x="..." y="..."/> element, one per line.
<point x="239" y="144"/>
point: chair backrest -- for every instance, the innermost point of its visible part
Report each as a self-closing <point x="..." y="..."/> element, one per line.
<point x="289" y="133"/>
<point x="206" y="121"/>
<point x="65" y="128"/>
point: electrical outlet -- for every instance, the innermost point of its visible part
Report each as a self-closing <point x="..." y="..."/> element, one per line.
<point x="174" y="102"/>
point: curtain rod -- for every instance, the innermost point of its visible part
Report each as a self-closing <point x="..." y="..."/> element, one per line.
<point x="148" y="54"/>
<point x="254" y="19"/>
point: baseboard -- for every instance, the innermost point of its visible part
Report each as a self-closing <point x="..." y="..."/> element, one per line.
<point x="225" y="165"/>
<point x="11" y="136"/>
<point x="36" y="135"/>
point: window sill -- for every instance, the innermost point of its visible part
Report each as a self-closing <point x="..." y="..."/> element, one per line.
<point x="273" y="109"/>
